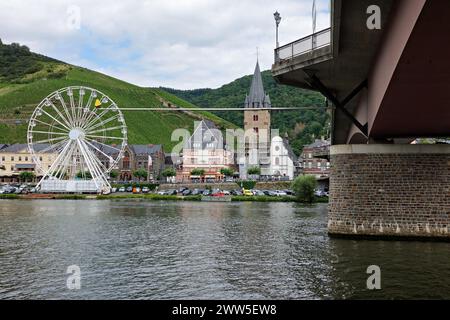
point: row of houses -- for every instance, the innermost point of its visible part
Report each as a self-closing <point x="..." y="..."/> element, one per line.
<point x="208" y="157"/>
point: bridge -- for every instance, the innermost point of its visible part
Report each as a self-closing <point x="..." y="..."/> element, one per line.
<point x="384" y="65"/>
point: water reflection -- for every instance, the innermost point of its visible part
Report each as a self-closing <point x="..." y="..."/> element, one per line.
<point x="158" y="250"/>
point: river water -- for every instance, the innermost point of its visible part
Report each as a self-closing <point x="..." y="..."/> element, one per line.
<point x="134" y="249"/>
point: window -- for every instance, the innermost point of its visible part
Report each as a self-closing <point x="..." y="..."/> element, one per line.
<point x="26" y="158"/>
<point x="255" y="117"/>
<point x="310" y="165"/>
<point x="277" y="161"/>
<point x="12" y="158"/>
<point x="40" y="158"/>
<point x="319" y="165"/>
<point x="3" y="158"/>
<point x="12" y="168"/>
<point x="277" y="148"/>
<point x="20" y="158"/>
<point x="310" y="155"/>
<point x="256" y="130"/>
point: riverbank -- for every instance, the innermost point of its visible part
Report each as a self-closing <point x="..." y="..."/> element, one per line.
<point x="150" y="197"/>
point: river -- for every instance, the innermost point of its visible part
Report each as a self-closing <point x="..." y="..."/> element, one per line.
<point x="135" y="249"/>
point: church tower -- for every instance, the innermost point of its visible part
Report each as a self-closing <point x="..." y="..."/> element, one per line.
<point x="257" y="123"/>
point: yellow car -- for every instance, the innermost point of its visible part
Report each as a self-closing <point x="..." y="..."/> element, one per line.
<point x="247" y="193"/>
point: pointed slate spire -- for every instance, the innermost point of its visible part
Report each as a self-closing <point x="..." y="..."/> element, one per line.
<point x="257" y="97"/>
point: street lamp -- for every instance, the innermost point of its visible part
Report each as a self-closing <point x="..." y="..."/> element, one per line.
<point x="277" y="17"/>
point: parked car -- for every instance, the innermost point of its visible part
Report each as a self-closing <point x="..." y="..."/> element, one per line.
<point x="130" y="189"/>
<point x="136" y="190"/>
<point x="227" y="193"/>
<point x="182" y="189"/>
<point x="248" y="193"/>
<point x="258" y="193"/>
<point x="195" y="192"/>
<point x="162" y="193"/>
<point x="171" y="192"/>
<point x="206" y="193"/>
<point x="145" y="190"/>
<point x="280" y="193"/>
<point x="122" y="189"/>
<point x="236" y="193"/>
<point x="186" y="192"/>
<point x="229" y="179"/>
<point x="319" y="193"/>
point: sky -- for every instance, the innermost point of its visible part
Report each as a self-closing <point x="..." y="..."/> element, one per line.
<point x="183" y="44"/>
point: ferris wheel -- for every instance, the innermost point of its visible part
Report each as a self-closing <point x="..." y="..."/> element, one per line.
<point x="84" y="129"/>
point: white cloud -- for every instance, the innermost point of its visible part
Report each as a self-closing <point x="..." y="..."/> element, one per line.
<point x="181" y="44"/>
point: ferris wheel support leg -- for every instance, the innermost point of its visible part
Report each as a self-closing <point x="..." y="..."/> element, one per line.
<point x="54" y="164"/>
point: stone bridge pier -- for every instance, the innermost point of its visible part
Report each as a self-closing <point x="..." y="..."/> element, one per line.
<point x="390" y="191"/>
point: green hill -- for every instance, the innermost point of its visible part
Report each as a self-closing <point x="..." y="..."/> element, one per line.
<point x="301" y="126"/>
<point x="26" y="78"/>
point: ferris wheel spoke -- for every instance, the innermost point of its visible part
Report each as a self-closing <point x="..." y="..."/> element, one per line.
<point x="63" y="103"/>
<point x="93" y="146"/>
<point x="102" y="123"/>
<point x="96" y="159"/>
<point x="53" y="147"/>
<point x="66" y="120"/>
<point x="94" y="117"/>
<point x="50" y="140"/>
<point x="56" y="162"/>
<point x="86" y="116"/>
<point x="105" y="130"/>
<point x="103" y="144"/>
<point x="50" y="133"/>
<point x="59" y="113"/>
<point x="72" y="104"/>
<point x="105" y="137"/>
<point x="50" y="125"/>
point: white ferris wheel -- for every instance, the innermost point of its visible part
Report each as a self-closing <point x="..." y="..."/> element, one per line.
<point x="86" y="132"/>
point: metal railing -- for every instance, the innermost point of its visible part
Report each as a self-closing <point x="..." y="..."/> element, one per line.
<point x="307" y="44"/>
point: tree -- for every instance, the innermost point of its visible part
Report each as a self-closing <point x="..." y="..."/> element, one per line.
<point x="140" y="174"/>
<point x="169" y="172"/>
<point x="113" y="174"/>
<point x="254" y="171"/>
<point x="26" y="176"/>
<point x="227" y="172"/>
<point x="304" y="188"/>
<point x="84" y="175"/>
<point x="198" y="172"/>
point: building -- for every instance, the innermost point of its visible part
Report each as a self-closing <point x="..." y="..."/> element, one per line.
<point x="316" y="159"/>
<point x="272" y="155"/>
<point x="205" y="150"/>
<point x="282" y="160"/>
<point x="150" y="158"/>
<point x="15" y="159"/>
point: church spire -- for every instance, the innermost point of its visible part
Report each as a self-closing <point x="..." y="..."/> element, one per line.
<point x="257" y="97"/>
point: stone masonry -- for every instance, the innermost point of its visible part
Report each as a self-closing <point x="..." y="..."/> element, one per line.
<point x="390" y="191"/>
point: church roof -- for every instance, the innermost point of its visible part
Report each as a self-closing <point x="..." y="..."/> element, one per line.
<point x="257" y="98"/>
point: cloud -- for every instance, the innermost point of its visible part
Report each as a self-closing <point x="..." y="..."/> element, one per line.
<point x="176" y="43"/>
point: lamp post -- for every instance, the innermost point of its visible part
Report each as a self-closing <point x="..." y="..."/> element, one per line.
<point x="277" y="17"/>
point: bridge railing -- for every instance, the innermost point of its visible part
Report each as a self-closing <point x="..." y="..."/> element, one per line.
<point x="304" y="45"/>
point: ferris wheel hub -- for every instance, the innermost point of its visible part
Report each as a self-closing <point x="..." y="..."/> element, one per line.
<point x="76" y="134"/>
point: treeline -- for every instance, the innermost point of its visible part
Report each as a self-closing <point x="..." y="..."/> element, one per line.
<point x="302" y="127"/>
<point x="17" y="61"/>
